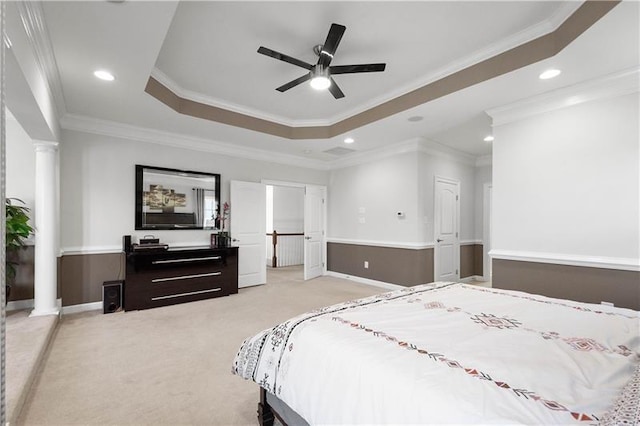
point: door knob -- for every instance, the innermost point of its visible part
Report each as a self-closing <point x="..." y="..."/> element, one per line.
<point x="234" y="240"/>
<point x="307" y="238"/>
<point x="439" y="240"/>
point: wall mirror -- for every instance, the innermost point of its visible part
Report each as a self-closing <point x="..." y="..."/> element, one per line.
<point x="176" y="199"/>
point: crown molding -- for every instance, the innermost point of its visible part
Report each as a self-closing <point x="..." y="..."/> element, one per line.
<point x="363" y="157"/>
<point x="618" y="84"/>
<point x="35" y="27"/>
<point x="412" y="145"/>
<point x="565" y="10"/>
<point x="180" y="91"/>
<point x="438" y="150"/>
<point x="142" y="134"/>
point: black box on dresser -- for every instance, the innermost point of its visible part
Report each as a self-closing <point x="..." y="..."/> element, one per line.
<point x="177" y="275"/>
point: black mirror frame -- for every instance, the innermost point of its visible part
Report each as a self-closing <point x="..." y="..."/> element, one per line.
<point x="140" y="191"/>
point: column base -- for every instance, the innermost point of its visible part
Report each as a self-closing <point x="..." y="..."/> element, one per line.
<point x="43" y="312"/>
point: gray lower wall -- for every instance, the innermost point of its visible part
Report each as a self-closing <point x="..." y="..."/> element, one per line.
<point x="400" y="266"/>
<point x="470" y="260"/>
<point x="584" y="284"/>
<point x="81" y="276"/>
<point x="22" y="287"/>
<point x="396" y="265"/>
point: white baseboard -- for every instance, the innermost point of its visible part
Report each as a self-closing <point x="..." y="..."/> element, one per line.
<point x="472" y="278"/>
<point x="18" y="305"/>
<point x="367" y="281"/>
<point x="83" y="307"/>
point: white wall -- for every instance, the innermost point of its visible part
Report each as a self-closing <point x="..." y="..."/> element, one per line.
<point x="288" y="209"/>
<point x="567" y="181"/>
<point x="364" y="199"/>
<point x="21" y="163"/>
<point x="98" y="186"/>
<point x="482" y="177"/>
<point x="376" y="191"/>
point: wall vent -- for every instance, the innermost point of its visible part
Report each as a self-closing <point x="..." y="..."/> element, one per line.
<point x="338" y="150"/>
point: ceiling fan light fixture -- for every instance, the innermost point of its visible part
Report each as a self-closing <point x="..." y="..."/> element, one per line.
<point x="320" y="78"/>
<point x="320" y="82"/>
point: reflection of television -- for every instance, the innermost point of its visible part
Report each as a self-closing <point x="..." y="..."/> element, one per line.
<point x="176" y="199"/>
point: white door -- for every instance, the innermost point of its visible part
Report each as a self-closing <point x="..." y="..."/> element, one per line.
<point x="248" y="228"/>
<point x="446" y="228"/>
<point x="314" y="246"/>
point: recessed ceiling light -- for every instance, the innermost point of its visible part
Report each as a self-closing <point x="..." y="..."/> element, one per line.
<point x="349" y="140"/>
<point x="104" y="75"/>
<point x="549" y="74"/>
<point x="415" y="118"/>
<point x="488" y="138"/>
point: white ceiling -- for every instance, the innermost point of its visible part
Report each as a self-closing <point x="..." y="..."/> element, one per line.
<point x="206" y="51"/>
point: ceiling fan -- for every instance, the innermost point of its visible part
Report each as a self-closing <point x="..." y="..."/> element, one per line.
<point x="321" y="73"/>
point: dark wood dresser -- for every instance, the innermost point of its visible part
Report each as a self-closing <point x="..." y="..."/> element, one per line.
<point x="177" y="275"/>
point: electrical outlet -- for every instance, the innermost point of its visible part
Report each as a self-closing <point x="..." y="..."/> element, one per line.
<point x="366" y="264"/>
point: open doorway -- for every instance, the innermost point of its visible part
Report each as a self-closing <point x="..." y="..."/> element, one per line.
<point x="285" y="228"/>
<point x="295" y="223"/>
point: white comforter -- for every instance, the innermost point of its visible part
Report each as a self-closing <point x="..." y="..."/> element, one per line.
<point x="448" y="353"/>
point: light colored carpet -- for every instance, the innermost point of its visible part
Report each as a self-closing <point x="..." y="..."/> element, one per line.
<point x="27" y="339"/>
<point x="169" y="365"/>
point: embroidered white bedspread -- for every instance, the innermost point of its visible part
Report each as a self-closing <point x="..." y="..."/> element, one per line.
<point x="449" y="353"/>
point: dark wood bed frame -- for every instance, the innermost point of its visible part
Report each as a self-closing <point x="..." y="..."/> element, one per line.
<point x="266" y="415"/>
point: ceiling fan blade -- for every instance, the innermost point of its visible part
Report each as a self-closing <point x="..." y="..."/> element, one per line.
<point x="350" y="69"/>
<point x="294" y="83"/>
<point x="331" y="44"/>
<point x="335" y="90"/>
<point x="282" y="57"/>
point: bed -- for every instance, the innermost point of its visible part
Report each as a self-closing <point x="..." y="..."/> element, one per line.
<point x="449" y="353"/>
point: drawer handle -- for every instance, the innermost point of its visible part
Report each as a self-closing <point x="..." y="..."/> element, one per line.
<point x="171" y="296"/>
<point x="193" y="259"/>
<point x="186" y="277"/>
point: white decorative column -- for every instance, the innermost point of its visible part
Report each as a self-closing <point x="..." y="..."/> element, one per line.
<point x="45" y="274"/>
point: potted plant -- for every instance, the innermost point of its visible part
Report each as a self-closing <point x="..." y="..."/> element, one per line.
<point x="222" y="239"/>
<point x="18" y="230"/>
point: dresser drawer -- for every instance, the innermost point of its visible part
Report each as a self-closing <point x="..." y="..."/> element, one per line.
<point x="185" y="272"/>
<point x="188" y="283"/>
<point x="144" y="264"/>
